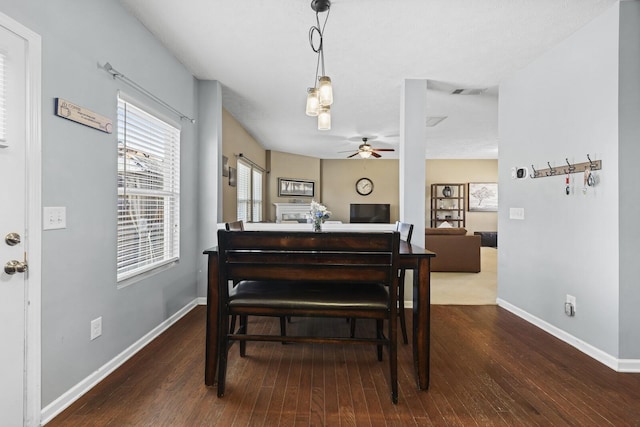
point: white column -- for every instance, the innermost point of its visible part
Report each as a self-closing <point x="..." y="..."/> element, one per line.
<point x="209" y="124"/>
<point x="413" y="134"/>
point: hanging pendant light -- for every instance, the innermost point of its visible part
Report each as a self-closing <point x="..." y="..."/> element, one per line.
<point x="324" y="119"/>
<point x="320" y="96"/>
<point x="313" y="102"/>
<point x="325" y="92"/>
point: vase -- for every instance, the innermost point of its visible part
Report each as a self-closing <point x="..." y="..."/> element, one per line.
<point x="317" y="226"/>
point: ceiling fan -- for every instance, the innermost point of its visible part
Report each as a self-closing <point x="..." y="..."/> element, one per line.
<point x="365" y="150"/>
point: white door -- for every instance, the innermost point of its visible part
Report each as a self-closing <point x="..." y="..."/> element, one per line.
<point x="15" y="297"/>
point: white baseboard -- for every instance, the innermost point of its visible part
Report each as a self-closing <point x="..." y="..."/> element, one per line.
<point x="619" y="365"/>
<point x="74" y="393"/>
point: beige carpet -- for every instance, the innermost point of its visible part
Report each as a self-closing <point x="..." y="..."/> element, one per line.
<point x="468" y="288"/>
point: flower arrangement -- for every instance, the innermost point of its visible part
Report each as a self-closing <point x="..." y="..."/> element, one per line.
<point x="318" y="213"/>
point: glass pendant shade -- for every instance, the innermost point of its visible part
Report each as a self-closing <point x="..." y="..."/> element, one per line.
<point x="325" y="91"/>
<point x="365" y="154"/>
<point x="324" y="119"/>
<point x="313" y="103"/>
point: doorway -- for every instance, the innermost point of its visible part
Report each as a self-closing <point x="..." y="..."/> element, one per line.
<point x="20" y="223"/>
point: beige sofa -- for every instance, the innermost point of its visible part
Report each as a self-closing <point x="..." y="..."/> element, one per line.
<point x="455" y="250"/>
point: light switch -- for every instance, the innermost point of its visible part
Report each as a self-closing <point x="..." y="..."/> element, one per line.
<point x="516" y="213"/>
<point x="54" y="217"/>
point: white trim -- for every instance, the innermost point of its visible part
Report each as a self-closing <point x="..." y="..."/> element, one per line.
<point x="201" y="300"/>
<point x="34" y="217"/>
<point x="619" y="365"/>
<point x="75" y="392"/>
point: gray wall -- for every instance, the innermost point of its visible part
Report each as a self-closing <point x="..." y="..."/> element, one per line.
<point x="629" y="176"/>
<point x="79" y="172"/>
<point x="564" y="105"/>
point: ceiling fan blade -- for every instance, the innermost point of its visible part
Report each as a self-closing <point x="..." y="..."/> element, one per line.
<point x="383" y="149"/>
<point x="376" y="155"/>
<point x="354" y="154"/>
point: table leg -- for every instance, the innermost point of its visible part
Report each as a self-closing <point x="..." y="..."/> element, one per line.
<point x="211" y="350"/>
<point x="421" y="321"/>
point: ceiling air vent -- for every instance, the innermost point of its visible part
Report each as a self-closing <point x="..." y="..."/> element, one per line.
<point x="468" y="91"/>
<point x="433" y="121"/>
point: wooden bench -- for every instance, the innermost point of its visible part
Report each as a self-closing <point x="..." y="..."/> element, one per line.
<point x="335" y="274"/>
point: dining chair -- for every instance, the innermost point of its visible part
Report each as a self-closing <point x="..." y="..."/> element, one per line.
<point x="234" y="226"/>
<point x="405" y="230"/>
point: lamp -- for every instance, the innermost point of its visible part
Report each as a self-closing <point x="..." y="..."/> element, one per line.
<point x="365" y="151"/>
<point x="320" y="96"/>
<point x="324" y="119"/>
<point x="313" y="102"/>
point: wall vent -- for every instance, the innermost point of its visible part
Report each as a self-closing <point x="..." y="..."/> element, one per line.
<point x="433" y="121"/>
<point x="468" y="91"/>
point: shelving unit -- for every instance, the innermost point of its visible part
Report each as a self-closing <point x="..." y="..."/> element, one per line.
<point x="448" y="206"/>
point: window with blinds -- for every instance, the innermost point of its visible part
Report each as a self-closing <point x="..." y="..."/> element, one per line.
<point x="148" y="191"/>
<point x="249" y="193"/>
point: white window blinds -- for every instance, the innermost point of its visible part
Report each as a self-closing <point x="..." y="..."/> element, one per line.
<point x="249" y="193"/>
<point x="148" y="191"/>
<point x="256" y="211"/>
<point x="244" y="192"/>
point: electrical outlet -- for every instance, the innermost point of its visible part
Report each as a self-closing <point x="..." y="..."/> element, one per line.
<point x="570" y="305"/>
<point x="96" y="328"/>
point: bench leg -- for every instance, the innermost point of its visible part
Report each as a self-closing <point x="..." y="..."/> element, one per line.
<point x="403" y="322"/>
<point x="380" y="334"/>
<point x="283" y="327"/>
<point x="243" y="330"/>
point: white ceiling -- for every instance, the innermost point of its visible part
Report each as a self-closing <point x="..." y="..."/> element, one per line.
<point x="259" y="51"/>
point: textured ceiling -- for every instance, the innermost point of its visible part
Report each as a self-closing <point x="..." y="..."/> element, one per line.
<point x="260" y="53"/>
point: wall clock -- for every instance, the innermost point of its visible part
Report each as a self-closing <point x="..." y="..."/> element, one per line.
<point x="364" y="186"/>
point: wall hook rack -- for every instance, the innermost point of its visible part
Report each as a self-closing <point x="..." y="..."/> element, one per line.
<point x="551" y="171"/>
<point x="571" y="167"/>
<point x="592" y="165"/>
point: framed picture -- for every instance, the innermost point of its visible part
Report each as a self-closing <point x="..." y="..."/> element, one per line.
<point x="483" y="196"/>
<point x="233" y="176"/>
<point x="225" y="166"/>
<point x="295" y="187"/>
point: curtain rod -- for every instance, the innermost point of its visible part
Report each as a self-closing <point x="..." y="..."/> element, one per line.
<point x="248" y="160"/>
<point x="116" y="74"/>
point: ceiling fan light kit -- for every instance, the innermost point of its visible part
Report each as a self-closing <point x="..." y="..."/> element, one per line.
<point x="365" y="150"/>
<point x="365" y="154"/>
<point x="320" y="96"/>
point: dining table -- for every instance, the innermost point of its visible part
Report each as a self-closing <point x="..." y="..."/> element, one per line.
<point x="410" y="257"/>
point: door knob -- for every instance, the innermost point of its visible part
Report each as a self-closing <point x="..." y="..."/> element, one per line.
<point x="12" y="239"/>
<point x="13" y="267"/>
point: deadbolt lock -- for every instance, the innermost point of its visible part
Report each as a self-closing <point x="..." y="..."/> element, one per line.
<point x="12" y="239"/>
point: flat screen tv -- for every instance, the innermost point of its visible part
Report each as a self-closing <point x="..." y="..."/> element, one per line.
<point x="360" y="213"/>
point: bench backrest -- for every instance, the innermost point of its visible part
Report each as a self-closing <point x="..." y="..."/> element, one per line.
<point x="367" y="257"/>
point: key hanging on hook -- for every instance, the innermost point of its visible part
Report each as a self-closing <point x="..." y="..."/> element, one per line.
<point x="567" y="186"/>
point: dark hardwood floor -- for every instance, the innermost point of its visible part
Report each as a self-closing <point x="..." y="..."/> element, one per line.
<point x="488" y="368"/>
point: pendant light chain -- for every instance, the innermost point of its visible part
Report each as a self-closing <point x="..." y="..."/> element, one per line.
<point x="320" y="95"/>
